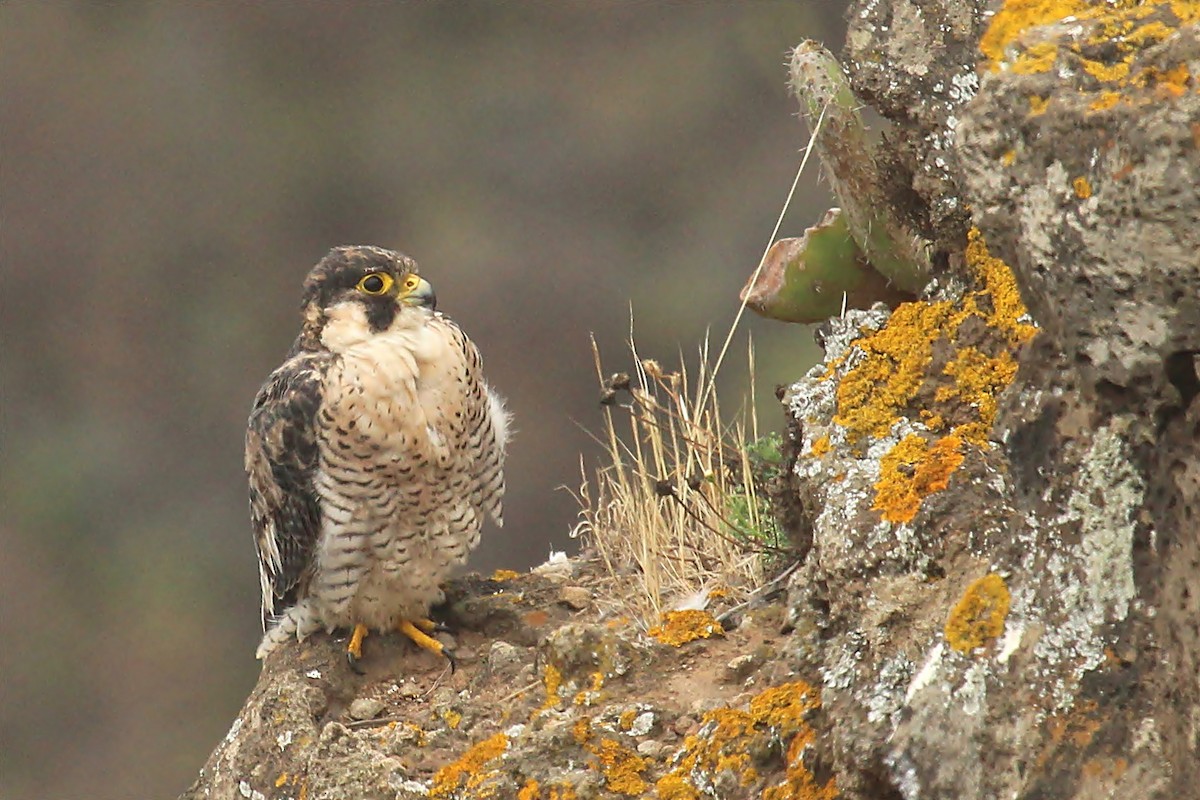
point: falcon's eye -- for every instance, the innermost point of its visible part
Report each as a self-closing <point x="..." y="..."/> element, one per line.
<point x="375" y="283"/>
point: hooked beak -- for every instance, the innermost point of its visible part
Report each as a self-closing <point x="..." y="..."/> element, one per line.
<point x="421" y="295"/>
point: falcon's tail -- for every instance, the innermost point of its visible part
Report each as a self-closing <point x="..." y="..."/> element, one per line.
<point x="298" y="621"/>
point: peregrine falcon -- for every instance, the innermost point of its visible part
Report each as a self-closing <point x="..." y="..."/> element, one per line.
<point x="373" y="454"/>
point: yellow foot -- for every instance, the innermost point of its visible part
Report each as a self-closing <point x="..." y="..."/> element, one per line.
<point x="412" y="629"/>
<point x="354" y="649"/>
<point x="427" y="625"/>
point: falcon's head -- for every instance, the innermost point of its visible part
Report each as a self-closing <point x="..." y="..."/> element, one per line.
<point x="355" y="293"/>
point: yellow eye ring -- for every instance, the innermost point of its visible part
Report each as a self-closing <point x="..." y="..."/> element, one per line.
<point x="375" y="283"/>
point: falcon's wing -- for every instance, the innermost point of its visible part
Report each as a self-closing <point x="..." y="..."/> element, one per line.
<point x="487" y="431"/>
<point x="281" y="457"/>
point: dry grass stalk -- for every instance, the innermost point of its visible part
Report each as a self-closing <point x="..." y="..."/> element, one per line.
<point x="675" y="512"/>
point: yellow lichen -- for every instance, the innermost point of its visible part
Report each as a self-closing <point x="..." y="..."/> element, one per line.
<point x="872" y="395"/>
<point x="452" y="718"/>
<point x="552" y="679"/>
<point x="585" y="697"/>
<point x="978" y="379"/>
<point x="679" y="627"/>
<point x="1105" y="101"/>
<point x="1009" y="157"/>
<point x="799" y="782"/>
<point x="582" y="730"/>
<point x="1038" y="58"/>
<point x="281" y="780"/>
<point x="1038" y="105"/>
<point x="1016" y="16"/>
<point x="621" y="767"/>
<point x="728" y="737"/>
<point x="530" y="791"/>
<point x="468" y="770"/>
<point x="675" y="787"/>
<point x="819" y="447"/>
<point x="1115" y="32"/>
<point x="978" y="617"/>
<point x="625" y="721"/>
<point x="1083" y="188"/>
<point x="505" y="575"/>
<point x="911" y="471"/>
<point x="1107" y="73"/>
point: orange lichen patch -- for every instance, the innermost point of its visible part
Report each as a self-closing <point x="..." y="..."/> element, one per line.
<point x="1075" y="728"/>
<point x="872" y="395"/>
<point x="893" y="364"/>
<point x="1037" y="105"/>
<point x="1009" y="157"/>
<point x="281" y="780"/>
<point x="978" y="379"/>
<point x="895" y="359"/>
<point x="728" y="738"/>
<point x="978" y="617"/>
<point x="469" y="770"/>
<point x="505" y="575"/>
<point x="1016" y="16"/>
<point x="625" y="721"/>
<point x="1108" y="770"/>
<point x="819" y="447"/>
<point x="912" y="471"/>
<point x="799" y="783"/>
<point x="585" y="697"/>
<point x="1082" y="187"/>
<point x="1105" y="101"/>
<point x="1038" y="58"/>
<point x="1000" y="286"/>
<point x="1107" y="73"/>
<point x="621" y="767"/>
<point x="530" y="791"/>
<point x="582" y="730"/>
<point x="675" y="787"/>
<point x="552" y="679"/>
<point x="679" y="627"/>
<point x="1116" y="32"/>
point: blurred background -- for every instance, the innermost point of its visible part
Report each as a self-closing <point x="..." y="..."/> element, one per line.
<point x="169" y="171"/>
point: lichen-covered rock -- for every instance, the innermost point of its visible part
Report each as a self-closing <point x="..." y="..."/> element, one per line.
<point x="914" y="61"/>
<point x="1080" y="156"/>
<point x="1001" y="593"/>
